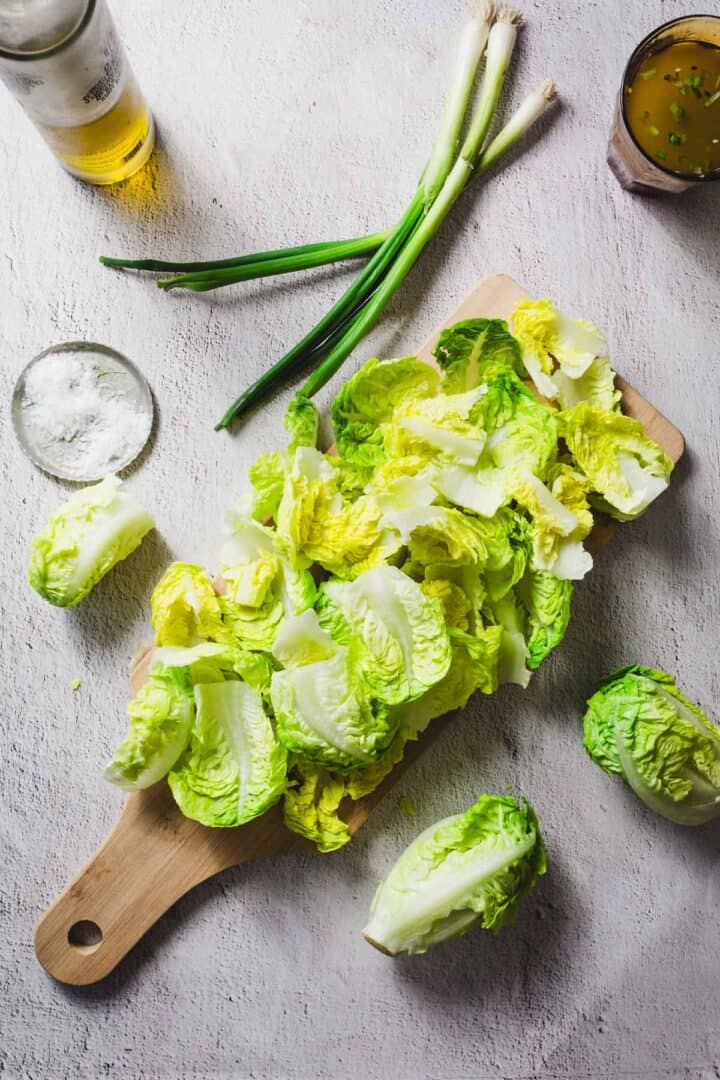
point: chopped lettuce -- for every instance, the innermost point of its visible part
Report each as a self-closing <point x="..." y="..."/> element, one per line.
<point x="301" y="422"/>
<point x="469" y="870"/>
<point x="185" y="608"/>
<point x="549" y="338"/>
<point x="521" y="431"/>
<point x="317" y="525"/>
<point x="367" y="401"/>
<point x="546" y="601"/>
<point x="626" y="469"/>
<point x="467" y="351"/>
<point x="323" y="709"/>
<point x="445" y="424"/>
<point x="94" y="529"/>
<point x="161" y="717"/>
<point x="311" y="806"/>
<point x="263" y="583"/>
<point x="267" y="478"/>
<point x="641" y="727"/>
<point x="396" y="633"/>
<point x="234" y="769"/>
<point x="557" y="531"/>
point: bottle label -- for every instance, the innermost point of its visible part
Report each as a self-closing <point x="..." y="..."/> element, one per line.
<point x="75" y="85"/>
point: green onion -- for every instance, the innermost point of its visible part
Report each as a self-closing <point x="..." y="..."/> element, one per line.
<point x="467" y="163"/>
<point x="661" y="155"/>
<point x="675" y="139"/>
<point x="472" y="45"/>
<point x="654" y="130"/>
<point x="370" y="278"/>
<point x="712" y="99"/>
<point x="286" y="263"/>
<point x="362" y="245"/>
<point x="648" y="74"/>
<point x="678" y="111"/>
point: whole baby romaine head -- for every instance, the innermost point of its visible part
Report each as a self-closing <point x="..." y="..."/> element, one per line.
<point x="472" y="869"/>
<point x="96" y="528"/>
<point x="641" y="727"/>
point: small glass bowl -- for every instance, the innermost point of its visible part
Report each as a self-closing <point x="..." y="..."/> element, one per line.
<point x="112" y="421"/>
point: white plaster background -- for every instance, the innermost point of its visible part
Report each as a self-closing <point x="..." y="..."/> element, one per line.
<point x="306" y="120"/>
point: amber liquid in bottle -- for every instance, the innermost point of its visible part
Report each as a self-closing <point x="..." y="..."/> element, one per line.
<point x="64" y="63"/>
<point x="110" y="148"/>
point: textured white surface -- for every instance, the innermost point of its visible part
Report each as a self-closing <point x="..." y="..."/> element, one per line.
<point x="309" y="120"/>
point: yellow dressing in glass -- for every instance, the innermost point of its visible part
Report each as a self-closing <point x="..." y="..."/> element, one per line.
<point x="672" y="107"/>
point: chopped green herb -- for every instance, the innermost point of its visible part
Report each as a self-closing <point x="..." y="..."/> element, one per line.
<point x="654" y="130"/>
<point x="675" y="139"/>
<point x="648" y="74"/>
<point x="661" y="155"/>
<point x="712" y="99"/>
<point x="678" y="111"/>
<point x="408" y="806"/>
<point x="695" y="80"/>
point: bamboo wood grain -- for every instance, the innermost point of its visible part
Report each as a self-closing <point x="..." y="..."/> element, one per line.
<point x="154" y="855"/>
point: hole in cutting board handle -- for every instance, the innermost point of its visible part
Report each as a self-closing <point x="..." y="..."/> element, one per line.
<point x="85" y="936"/>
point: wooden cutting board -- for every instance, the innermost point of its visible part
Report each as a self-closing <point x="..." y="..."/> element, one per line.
<point x="154" y="855"/>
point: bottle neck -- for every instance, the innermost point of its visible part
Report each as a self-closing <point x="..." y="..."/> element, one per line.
<point x="32" y="27"/>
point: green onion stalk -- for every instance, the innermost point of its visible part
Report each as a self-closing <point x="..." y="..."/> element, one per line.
<point x="472" y="160"/>
<point x="473" y="40"/>
<point x="500" y="45"/>
<point x="259" y="264"/>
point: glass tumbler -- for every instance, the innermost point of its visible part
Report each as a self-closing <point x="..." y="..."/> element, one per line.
<point x="632" y="166"/>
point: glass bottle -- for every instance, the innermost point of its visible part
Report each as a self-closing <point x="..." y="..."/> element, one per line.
<point x="64" y="63"/>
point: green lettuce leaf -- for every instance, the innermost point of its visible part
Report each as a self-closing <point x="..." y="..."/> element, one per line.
<point x="467" y="351"/>
<point x="234" y="769"/>
<point x="469" y="870"/>
<point x="301" y="422"/>
<point x="641" y="727"/>
<point x="267" y="478"/>
<point x="94" y="529"/>
<point x="522" y="431"/>
<point x="263" y="583"/>
<point x="185" y="608"/>
<point x="557" y="530"/>
<point x="311" y="806"/>
<point x="346" y="538"/>
<point x="626" y="469"/>
<point x="396" y="634"/>
<point x="367" y="401"/>
<point x="549" y="339"/>
<point x="161" y="717"/>
<point x="323" y="708"/>
<point x="443" y="425"/>
<point x="546" y="601"/>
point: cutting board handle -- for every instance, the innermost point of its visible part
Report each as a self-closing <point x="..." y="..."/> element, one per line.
<point x="151" y="858"/>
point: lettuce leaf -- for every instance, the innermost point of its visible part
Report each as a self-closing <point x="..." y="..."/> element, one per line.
<point x="367" y="401"/>
<point x="467" y="870"/>
<point x="626" y="469"/>
<point x="234" y="769"/>
<point x="96" y="528"/>
<point x="185" y="608"/>
<point x="468" y="350"/>
<point x="640" y="726"/>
